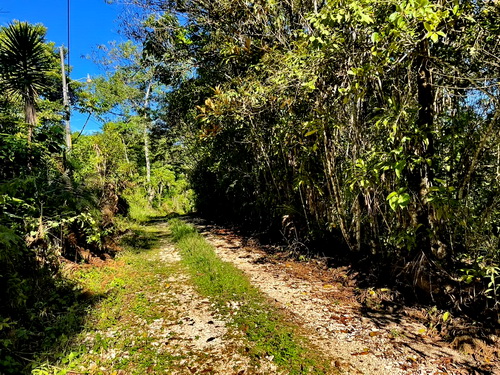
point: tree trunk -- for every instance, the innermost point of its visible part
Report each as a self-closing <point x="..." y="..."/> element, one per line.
<point x="67" y="108"/>
<point x="146" y="145"/>
<point x="422" y="148"/>
<point x="30" y="117"/>
<point x="31" y="120"/>
<point x="336" y="214"/>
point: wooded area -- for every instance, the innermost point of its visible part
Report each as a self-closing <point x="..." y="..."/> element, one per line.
<point x="366" y="131"/>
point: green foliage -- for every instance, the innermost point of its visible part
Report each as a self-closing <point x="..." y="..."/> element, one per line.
<point x="25" y="60"/>
<point x="45" y="213"/>
<point x="140" y="208"/>
<point x="398" y="199"/>
<point x="370" y="122"/>
<point x="112" y="161"/>
<point x="127" y="158"/>
<point x="27" y="66"/>
<point x="115" y="321"/>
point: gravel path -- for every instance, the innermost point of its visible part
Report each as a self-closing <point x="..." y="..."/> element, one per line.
<point x="197" y="332"/>
<point x="359" y="342"/>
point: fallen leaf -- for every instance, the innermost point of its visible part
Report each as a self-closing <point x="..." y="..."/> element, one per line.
<point x="446" y="360"/>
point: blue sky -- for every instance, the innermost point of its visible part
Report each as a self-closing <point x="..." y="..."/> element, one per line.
<point x="92" y="22"/>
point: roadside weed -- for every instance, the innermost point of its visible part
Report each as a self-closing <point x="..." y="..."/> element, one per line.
<point x="115" y="336"/>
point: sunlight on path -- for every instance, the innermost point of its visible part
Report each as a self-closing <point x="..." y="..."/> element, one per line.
<point x="151" y="320"/>
<point x="363" y="344"/>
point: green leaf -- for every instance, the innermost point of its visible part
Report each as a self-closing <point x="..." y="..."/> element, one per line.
<point x="403" y="200"/>
<point x="391" y="195"/>
<point x="376" y="37"/>
<point x="398" y="168"/>
<point x="446" y="316"/>
<point x="394" y="16"/>
<point x="366" y="18"/>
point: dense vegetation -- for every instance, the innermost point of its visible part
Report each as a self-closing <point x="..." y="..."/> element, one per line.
<point x="59" y="204"/>
<point x="364" y="129"/>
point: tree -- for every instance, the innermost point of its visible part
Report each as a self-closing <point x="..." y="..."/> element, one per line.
<point x="368" y="123"/>
<point x="128" y="93"/>
<point x="25" y="62"/>
<point x="44" y="212"/>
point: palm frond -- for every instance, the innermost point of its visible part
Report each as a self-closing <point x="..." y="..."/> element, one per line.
<point x="24" y="60"/>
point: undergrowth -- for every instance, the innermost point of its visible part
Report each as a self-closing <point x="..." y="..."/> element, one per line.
<point x="236" y="299"/>
<point x="107" y="323"/>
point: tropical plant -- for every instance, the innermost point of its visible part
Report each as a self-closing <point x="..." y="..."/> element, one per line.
<point x="368" y="124"/>
<point x="25" y="62"/>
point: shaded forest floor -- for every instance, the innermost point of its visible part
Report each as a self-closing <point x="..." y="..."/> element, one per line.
<point x="150" y="316"/>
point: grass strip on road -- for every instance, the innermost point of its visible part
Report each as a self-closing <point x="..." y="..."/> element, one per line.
<point x="269" y="333"/>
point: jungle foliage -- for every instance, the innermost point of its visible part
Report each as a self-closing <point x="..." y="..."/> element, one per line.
<point x="363" y="127"/>
<point x="40" y="207"/>
<point x="58" y="205"/>
<point x="364" y="130"/>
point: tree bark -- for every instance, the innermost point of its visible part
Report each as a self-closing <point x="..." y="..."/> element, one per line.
<point x="30" y="117"/>
<point x="146" y="144"/>
<point x="420" y="176"/>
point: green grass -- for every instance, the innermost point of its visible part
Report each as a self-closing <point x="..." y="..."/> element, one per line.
<point x="54" y="314"/>
<point x="139" y="238"/>
<point x="120" y="302"/>
<point x="113" y="337"/>
<point x="265" y="328"/>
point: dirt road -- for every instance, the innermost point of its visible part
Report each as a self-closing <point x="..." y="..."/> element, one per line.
<point x="359" y="341"/>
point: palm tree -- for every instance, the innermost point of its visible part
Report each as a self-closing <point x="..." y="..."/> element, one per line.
<point x="25" y="61"/>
